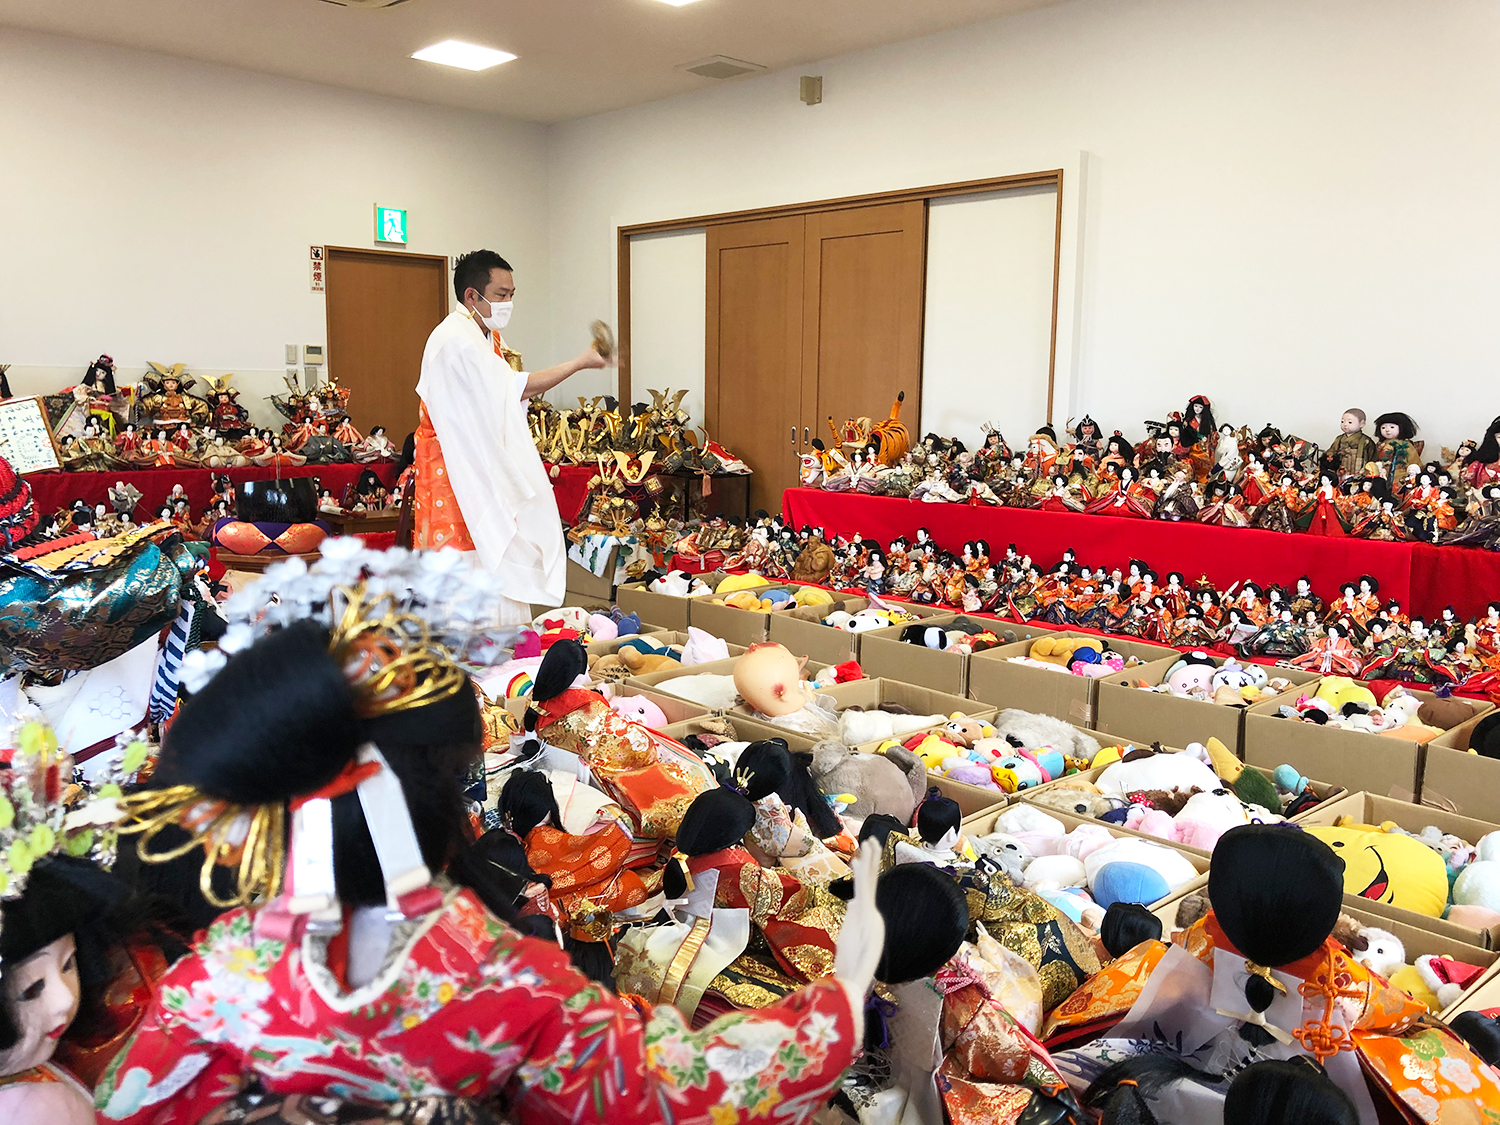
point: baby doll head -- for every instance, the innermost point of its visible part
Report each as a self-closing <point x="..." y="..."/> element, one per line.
<point x="1353" y="420"/>
<point x="1395" y="425"/>
<point x="769" y="678"/>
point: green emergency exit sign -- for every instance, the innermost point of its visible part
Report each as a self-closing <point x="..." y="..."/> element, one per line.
<point x="390" y="225"/>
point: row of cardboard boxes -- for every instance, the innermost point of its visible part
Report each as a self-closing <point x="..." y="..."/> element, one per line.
<point x="1340" y="751"/>
<point x="1440" y="772"/>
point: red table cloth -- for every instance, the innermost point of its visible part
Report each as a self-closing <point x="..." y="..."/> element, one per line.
<point x="52" y="491"/>
<point x="570" y="486"/>
<point x="1423" y="578"/>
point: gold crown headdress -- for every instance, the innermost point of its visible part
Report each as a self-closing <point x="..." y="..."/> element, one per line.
<point x="392" y="665"/>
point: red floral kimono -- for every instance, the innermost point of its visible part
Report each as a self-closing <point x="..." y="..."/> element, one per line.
<point x="588" y="874"/>
<point x="466" y="1007"/>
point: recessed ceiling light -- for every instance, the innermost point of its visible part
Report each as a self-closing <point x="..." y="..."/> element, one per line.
<point x="679" y="3"/>
<point x="466" y="56"/>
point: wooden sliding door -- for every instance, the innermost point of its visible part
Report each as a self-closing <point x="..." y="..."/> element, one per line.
<point x="753" y="358"/>
<point x="862" y="320"/>
<point x="811" y="317"/>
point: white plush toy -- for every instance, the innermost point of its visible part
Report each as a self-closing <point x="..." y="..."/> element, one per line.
<point x="1010" y="853"/>
<point x="1055" y="873"/>
<point x="679" y="584"/>
<point x="703" y="648"/>
<point x="1383" y="954"/>
<point x="1037" y="731"/>
<point x="859" y="727"/>
<point x="1038" y="832"/>
<point x="1159" y="771"/>
<point x="1479" y="883"/>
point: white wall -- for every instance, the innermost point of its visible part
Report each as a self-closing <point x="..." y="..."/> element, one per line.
<point x="160" y="209"/>
<point x="1290" y="204"/>
<point x="668" y="311"/>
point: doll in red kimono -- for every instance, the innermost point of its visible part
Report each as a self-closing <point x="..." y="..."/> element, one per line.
<point x="385" y="961"/>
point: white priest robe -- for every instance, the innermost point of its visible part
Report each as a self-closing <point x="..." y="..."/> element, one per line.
<point x="477" y="408"/>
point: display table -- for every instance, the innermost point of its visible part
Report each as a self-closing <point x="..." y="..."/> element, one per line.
<point x="52" y="491"/>
<point x="1423" y="578"/>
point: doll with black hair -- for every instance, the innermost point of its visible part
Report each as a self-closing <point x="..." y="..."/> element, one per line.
<point x="391" y="965"/>
<point x="1481" y="464"/>
<point x="1481" y="523"/>
<point x="1396" y="447"/>
<point x="1259" y="978"/>
<point x="792" y="817"/>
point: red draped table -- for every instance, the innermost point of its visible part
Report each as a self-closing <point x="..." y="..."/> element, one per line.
<point x="52" y="491"/>
<point x="570" y="487"/>
<point x="1423" y="578"/>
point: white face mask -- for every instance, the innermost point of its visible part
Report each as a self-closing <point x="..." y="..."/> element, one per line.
<point x="499" y="314"/>
<point x="41" y="995"/>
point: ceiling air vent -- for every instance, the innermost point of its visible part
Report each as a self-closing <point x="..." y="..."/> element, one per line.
<point x="367" y="4"/>
<point x="720" y="67"/>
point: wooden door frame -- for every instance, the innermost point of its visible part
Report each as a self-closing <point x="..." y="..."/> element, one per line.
<point x="383" y="254"/>
<point x="1050" y="178"/>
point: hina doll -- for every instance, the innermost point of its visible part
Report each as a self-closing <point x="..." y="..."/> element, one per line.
<point x="1179" y="500"/>
<point x="1397" y="447"/>
<point x="1278" y="511"/>
<point x="322" y="448"/>
<point x="1125" y="497"/>
<point x="1283" y="637"/>
<point x="1255" y="483"/>
<point x="376" y="447"/>
<point x="1193" y="630"/>
<point x="1117" y="454"/>
<point x="1259" y="977"/>
<point x="216" y="453"/>
<point x="756" y="554"/>
<point x="1486" y="631"/>
<point x="1228" y="461"/>
<point x="1088" y="440"/>
<point x="1384" y="523"/>
<point x="652" y="777"/>
<point x="1304" y="600"/>
<point x="874" y="573"/>
<point x="1429" y="510"/>
<point x="1223" y="506"/>
<point x="1041" y="454"/>
<point x="276" y="454"/>
<point x="1481" y="525"/>
<point x="161" y="452"/>
<point x="1062" y="497"/>
<point x="1324" y="516"/>
<point x="433" y="988"/>
<point x="1331" y="653"/>
<point x="792" y="817"/>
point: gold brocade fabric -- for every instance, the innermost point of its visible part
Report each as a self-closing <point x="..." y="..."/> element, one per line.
<point x="800" y="920"/>
<point x="1107" y="995"/>
<point x="749" y="982"/>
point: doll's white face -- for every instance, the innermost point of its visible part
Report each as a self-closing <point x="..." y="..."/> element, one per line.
<point x="1390" y="431"/>
<point x="41" y="995"/>
<point x="1351" y="424"/>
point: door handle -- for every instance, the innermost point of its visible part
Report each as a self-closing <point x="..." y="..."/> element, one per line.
<point x="794" y="437"/>
<point x="804" y="435"/>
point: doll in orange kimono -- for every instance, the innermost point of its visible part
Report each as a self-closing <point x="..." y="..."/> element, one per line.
<point x="1261" y="978"/>
<point x="652" y="777"/>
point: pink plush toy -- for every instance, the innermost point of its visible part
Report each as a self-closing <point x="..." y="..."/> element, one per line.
<point x="639" y="709"/>
<point x="1153" y="822"/>
<point x="1108" y="666"/>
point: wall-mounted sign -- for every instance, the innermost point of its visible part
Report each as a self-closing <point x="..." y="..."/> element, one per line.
<point x="317" y="269"/>
<point x="390" y="225"/>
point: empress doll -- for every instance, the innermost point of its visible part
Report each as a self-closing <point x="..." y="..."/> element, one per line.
<point x="1224" y="507"/>
<point x="1481" y="526"/>
<point x="1384" y="523"/>
<point x="1124" y="497"/>
<point x="1323" y="516"/>
<point x="1331" y="654"/>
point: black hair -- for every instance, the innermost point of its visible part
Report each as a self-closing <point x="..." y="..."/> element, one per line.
<point x="67" y="895"/>
<point x="1207" y="426"/>
<point x="527" y="800"/>
<point x="279" y="721"/>
<point x="1276" y="893"/>
<point x="1126" y="925"/>
<point x="472" y="271"/>
<point x="926" y="917"/>
<point x="716" y="820"/>
<point x="1273" y="1091"/>
<point x="408" y="453"/>
<point x="772" y="768"/>
<point x="565" y="661"/>
<point x="1488" y="451"/>
<point x="1405" y="427"/>
<point x="937" y="815"/>
<point x="1121" y="1093"/>
<point x="1480" y="1032"/>
<point x="878" y="826"/>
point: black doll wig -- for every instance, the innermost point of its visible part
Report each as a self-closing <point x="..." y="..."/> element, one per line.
<point x="937" y="816"/>
<point x="878" y="826"/>
<point x="1272" y="1091"/>
<point x="1126" y="925"/>
<point x="527" y="800"/>
<point x="769" y="767"/>
<point x="926" y="917"/>
<point x="1203" y="424"/>
<point x="279" y="722"/>
<point x="1488" y="451"/>
<point x="1406" y="428"/>
<point x="716" y="820"/>
<point x="1276" y="893"/>
<point x="1481" y="1033"/>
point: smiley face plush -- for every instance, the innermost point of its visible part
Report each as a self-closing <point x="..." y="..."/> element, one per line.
<point x="1388" y="867"/>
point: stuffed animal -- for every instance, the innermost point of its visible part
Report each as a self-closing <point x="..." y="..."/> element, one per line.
<point x="1033" y="731"/>
<point x="1192" y="676"/>
<point x="640" y="709"/>
<point x="1063" y="651"/>
<point x="640" y="663"/>
<point x="962" y="730"/>
<point x="1388" y="867"/>
<point x="1080" y="799"/>
<point x="1383" y="952"/>
<point x="703" y="648"/>
<point x="1135" y="870"/>
<point x="890" y="783"/>
<point x="860" y="727"/>
<point x="1147" y="769"/>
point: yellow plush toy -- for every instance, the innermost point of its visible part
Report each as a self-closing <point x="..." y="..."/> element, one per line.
<point x="1060" y="650"/>
<point x="641" y="663"/>
<point x="1388" y="867"/>
<point x="812" y="595"/>
<point x="740" y="582"/>
<point x="1338" y="690"/>
<point x="744" y="599"/>
<point x="1106" y="756"/>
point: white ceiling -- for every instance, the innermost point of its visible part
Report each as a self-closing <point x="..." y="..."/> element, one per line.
<point x="577" y="57"/>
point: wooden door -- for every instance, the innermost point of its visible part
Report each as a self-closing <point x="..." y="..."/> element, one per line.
<point x="862" y="324"/>
<point x="753" y="358"/>
<point x="382" y="306"/>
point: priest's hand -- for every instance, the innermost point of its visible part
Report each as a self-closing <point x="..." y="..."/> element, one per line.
<point x="590" y="359"/>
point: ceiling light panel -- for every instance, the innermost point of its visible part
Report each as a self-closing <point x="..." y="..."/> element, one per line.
<point x="465" y="56"/>
<point x="679" y="3"/>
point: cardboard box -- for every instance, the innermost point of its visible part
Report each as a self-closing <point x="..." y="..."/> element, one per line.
<point x="1455" y="779"/>
<point x="983" y="824"/>
<point x="885" y="656"/>
<point x="1369" y="808"/>
<point x="660" y="609"/>
<point x="1482" y="996"/>
<point x="589" y="584"/>
<point x="1420" y="943"/>
<point x="737" y="626"/>
<point x="870" y="694"/>
<point x="817" y="641"/>
<point x="993" y="678"/>
<point x="662" y="681"/>
<point x="745" y="730"/>
<point x="972" y="800"/>
<point x="1375" y="763"/>
<point x="1127" y="711"/>
<point x="1324" y="791"/>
